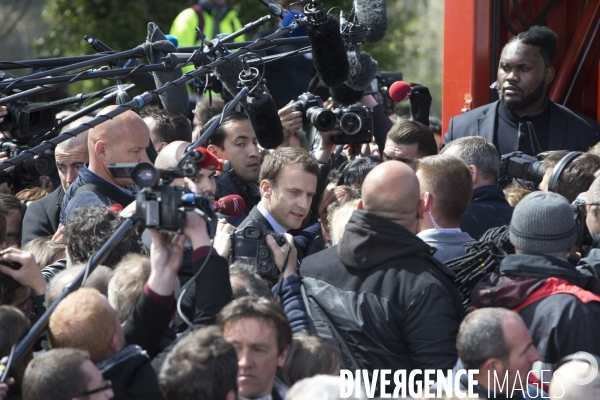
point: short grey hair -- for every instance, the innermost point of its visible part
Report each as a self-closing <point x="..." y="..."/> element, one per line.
<point x="481" y="336"/>
<point x="477" y="151"/>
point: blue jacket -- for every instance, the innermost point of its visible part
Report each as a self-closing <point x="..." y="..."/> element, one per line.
<point x="86" y="199"/>
<point x="488" y="209"/>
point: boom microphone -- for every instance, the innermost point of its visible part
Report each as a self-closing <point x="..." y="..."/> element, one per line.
<point x="328" y="51"/>
<point x="232" y="205"/>
<point x="264" y="117"/>
<point x="156" y="47"/>
<point x="345" y="95"/>
<point x="363" y="69"/>
<point x="373" y="15"/>
<point x="400" y="91"/>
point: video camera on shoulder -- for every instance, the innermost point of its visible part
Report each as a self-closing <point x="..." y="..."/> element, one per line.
<point x="160" y="205"/>
<point x="249" y="249"/>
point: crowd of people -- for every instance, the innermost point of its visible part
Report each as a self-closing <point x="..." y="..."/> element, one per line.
<point x="390" y="255"/>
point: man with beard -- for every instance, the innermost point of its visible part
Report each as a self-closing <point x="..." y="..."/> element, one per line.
<point x="524" y="118"/>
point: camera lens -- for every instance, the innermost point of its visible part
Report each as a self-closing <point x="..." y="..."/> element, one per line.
<point x="37" y="166"/>
<point x="350" y="123"/>
<point x="322" y="119"/>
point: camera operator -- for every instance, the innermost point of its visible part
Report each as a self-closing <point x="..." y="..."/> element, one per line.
<point x="122" y="139"/>
<point x="576" y="177"/>
<point x="42" y="216"/>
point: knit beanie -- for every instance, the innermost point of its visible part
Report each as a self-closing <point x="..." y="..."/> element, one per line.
<point x="543" y="222"/>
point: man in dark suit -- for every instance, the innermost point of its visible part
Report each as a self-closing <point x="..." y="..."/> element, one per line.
<point x="42" y="216"/>
<point x="288" y="183"/>
<point x="524" y="118"/>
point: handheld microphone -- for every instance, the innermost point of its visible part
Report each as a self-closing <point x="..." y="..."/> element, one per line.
<point x="287" y="20"/>
<point x="210" y="161"/>
<point x="363" y="69"/>
<point x="232" y="205"/>
<point x="328" y="50"/>
<point x="157" y="47"/>
<point x="264" y="118"/>
<point x="373" y="15"/>
<point x="400" y="91"/>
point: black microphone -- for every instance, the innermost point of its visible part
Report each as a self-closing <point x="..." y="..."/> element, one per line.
<point x="345" y="95"/>
<point x="264" y="117"/>
<point x="372" y="14"/>
<point x="329" y="53"/>
<point x="229" y="73"/>
<point x="156" y="47"/>
<point x="363" y="69"/>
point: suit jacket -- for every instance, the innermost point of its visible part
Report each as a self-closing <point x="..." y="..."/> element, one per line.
<point x="568" y="131"/>
<point x="41" y="217"/>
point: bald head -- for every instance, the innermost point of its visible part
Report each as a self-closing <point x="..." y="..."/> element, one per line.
<point x="170" y="154"/>
<point x="391" y="190"/>
<point x="122" y="139"/>
<point x="567" y="382"/>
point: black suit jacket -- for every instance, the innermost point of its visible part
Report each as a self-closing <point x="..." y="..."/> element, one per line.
<point x="41" y="217"/>
<point x="256" y="215"/>
<point x="568" y="131"/>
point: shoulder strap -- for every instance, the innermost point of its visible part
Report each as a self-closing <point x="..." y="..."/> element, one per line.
<point x="198" y="9"/>
<point x="112" y="193"/>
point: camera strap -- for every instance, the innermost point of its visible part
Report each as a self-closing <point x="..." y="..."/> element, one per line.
<point x="112" y="193"/>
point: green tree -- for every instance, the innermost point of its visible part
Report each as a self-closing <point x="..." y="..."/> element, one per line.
<point x="412" y="44"/>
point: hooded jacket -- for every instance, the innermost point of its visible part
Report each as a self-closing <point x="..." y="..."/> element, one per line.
<point x="392" y="305"/>
<point x="559" y="304"/>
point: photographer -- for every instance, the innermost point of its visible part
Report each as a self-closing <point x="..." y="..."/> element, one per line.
<point x="95" y="184"/>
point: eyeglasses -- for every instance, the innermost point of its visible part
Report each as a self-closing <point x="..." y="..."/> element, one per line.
<point x="105" y="386"/>
<point x="584" y="209"/>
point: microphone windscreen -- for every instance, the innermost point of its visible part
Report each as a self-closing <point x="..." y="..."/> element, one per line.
<point x="287" y="20"/>
<point x="143" y="81"/>
<point x="400" y="91"/>
<point x="175" y="100"/>
<point x="345" y="95"/>
<point x="264" y="118"/>
<point x="210" y="161"/>
<point x="232" y="205"/>
<point x="363" y="69"/>
<point x="229" y="74"/>
<point x="372" y="14"/>
<point x="329" y="53"/>
<point x="173" y="40"/>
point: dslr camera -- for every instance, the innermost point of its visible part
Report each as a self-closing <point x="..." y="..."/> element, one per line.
<point x="249" y="248"/>
<point x="313" y="112"/>
<point x="356" y="123"/>
<point x="160" y="205"/>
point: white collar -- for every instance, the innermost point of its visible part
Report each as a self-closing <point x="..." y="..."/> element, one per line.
<point x="276" y="226"/>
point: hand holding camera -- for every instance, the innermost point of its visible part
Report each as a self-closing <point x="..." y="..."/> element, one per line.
<point x="21" y="266"/>
<point x="280" y="252"/>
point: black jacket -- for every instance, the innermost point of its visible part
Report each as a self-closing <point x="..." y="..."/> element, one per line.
<point x="131" y="375"/>
<point x="41" y="217"/>
<point x="568" y="131"/>
<point x="560" y="324"/>
<point x="393" y="305"/>
<point x="229" y="183"/>
<point x="488" y="209"/>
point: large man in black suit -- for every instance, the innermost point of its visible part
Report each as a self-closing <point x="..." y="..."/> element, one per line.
<point x="42" y="216"/>
<point x="524" y="118"/>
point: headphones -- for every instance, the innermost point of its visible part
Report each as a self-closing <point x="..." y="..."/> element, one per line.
<point x="560" y="167"/>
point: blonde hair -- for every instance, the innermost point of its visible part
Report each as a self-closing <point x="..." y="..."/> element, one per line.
<point x="83" y="321"/>
<point x="339" y="220"/>
<point x="127" y="284"/>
